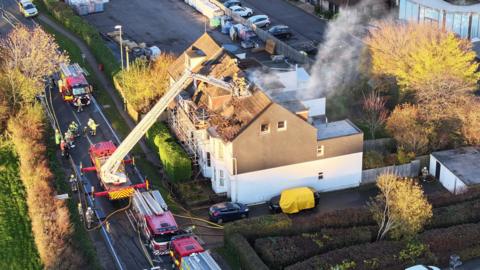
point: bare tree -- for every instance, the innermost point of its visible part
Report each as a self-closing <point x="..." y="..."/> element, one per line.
<point x="401" y="208"/>
<point x="374" y="111"/>
<point x="31" y="51"/>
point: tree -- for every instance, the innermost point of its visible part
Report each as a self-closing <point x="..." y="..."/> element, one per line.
<point x="469" y="116"/>
<point x="374" y="111"/>
<point x="145" y="81"/>
<point x="401" y="208"/>
<point x="31" y="51"/>
<point x="17" y="89"/>
<point x="418" y="55"/>
<point x="406" y="127"/>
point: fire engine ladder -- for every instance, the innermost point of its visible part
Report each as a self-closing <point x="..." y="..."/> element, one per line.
<point x="201" y="261"/>
<point x="72" y="70"/>
<point x="110" y="167"/>
<point x="149" y="202"/>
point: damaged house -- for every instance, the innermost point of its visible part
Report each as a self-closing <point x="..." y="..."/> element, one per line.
<point x="259" y="137"/>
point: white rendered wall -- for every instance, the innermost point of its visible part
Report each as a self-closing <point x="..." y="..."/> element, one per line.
<point x="259" y="186"/>
<point x="449" y="180"/>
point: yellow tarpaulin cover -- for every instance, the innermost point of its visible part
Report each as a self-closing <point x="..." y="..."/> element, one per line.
<point x="296" y="199"/>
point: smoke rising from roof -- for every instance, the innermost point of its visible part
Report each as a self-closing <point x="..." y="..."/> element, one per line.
<point x="338" y="56"/>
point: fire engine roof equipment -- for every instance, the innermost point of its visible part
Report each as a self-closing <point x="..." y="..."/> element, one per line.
<point x="186" y="245"/>
<point x="296" y="199"/>
<point x="199" y="261"/>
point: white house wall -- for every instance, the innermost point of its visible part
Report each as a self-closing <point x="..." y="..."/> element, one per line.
<point x="316" y="107"/>
<point x="449" y="180"/>
<point x="259" y="186"/>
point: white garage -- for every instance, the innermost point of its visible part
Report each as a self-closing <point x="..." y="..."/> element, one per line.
<point x="456" y="169"/>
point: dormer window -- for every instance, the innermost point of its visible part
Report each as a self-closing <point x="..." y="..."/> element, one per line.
<point x="265" y="128"/>
<point x="320" y="150"/>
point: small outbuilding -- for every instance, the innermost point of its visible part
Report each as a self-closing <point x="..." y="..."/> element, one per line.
<point x="457" y="169"/>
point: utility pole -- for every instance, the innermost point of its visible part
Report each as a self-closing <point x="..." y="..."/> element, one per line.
<point x="119" y="29"/>
<point x="126" y="55"/>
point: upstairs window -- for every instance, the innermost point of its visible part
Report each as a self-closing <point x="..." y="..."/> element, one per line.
<point x="320" y="175"/>
<point x="209" y="162"/>
<point x="265" y="128"/>
<point x="320" y="150"/>
<point x="281" y="125"/>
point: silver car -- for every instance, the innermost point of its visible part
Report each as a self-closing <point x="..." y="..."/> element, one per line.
<point x="260" y="20"/>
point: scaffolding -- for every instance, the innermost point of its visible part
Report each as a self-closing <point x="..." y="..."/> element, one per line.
<point x="186" y="120"/>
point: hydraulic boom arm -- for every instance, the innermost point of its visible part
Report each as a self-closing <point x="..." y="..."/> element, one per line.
<point x="110" y="167"/>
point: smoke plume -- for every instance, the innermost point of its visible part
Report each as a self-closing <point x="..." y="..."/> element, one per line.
<point x="339" y="55"/>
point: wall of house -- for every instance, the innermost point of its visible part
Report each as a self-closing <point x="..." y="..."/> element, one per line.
<point x="449" y="180"/>
<point x="256" y="151"/>
<point x="343" y="145"/>
<point x="316" y="107"/>
<point x="257" y="187"/>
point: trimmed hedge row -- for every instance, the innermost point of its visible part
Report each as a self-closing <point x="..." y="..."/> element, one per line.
<point x="440" y="199"/>
<point x="249" y="260"/>
<point x="89" y="34"/>
<point x="455" y="214"/>
<point x="279" y="252"/>
<point x="176" y="163"/>
<point x="378" y="255"/>
<point x="258" y="227"/>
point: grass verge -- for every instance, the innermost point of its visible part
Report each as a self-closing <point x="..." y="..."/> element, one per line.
<point x="17" y="246"/>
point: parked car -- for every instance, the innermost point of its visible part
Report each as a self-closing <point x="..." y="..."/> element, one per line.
<point x="280" y="31"/>
<point x="242" y="11"/>
<point x="227" y="211"/>
<point x="231" y="3"/>
<point x="294" y="200"/>
<point x="422" y="267"/>
<point x="27" y="8"/>
<point x="260" y="20"/>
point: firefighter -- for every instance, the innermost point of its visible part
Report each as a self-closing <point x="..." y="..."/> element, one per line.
<point x="73" y="128"/>
<point x="85" y="130"/>
<point x="73" y="182"/>
<point x="89" y="217"/>
<point x="62" y="147"/>
<point x="58" y="136"/>
<point x="79" y="104"/>
<point x="93" y="126"/>
<point x="69" y="137"/>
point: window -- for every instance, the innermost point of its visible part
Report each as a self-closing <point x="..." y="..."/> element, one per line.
<point x="320" y="175"/>
<point x="320" y="150"/>
<point x="222" y="182"/>
<point x="220" y="178"/>
<point x="209" y="164"/>
<point x="265" y="128"/>
<point x="220" y="150"/>
<point x="282" y="125"/>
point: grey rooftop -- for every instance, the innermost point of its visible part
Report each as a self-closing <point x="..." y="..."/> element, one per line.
<point x="463" y="162"/>
<point x="334" y="129"/>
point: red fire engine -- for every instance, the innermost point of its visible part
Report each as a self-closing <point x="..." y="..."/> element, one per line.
<point x="73" y="85"/>
<point x="152" y="217"/>
<point x="188" y="254"/>
<point x="117" y="186"/>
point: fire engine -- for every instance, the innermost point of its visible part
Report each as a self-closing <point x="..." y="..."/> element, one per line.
<point x="73" y="85"/>
<point x="116" y="186"/>
<point x="188" y="254"/>
<point x="156" y="223"/>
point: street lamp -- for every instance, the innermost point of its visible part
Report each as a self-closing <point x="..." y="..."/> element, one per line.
<point x="119" y="29"/>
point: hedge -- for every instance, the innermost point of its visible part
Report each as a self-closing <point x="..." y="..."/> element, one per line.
<point x="444" y="198"/>
<point x="455" y="214"/>
<point x="378" y="255"/>
<point x="258" y="227"/>
<point x="278" y="252"/>
<point x="249" y="260"/>
<point x="89" y="34"/>
<point x="176" y="163"/>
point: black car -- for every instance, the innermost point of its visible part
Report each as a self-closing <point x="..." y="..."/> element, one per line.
<point x="280" y="31"/>
<point x="274" y="203"/>
<point x="227" y="211"/>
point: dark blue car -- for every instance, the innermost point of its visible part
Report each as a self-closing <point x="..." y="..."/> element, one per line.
<point x="227" y="211"/>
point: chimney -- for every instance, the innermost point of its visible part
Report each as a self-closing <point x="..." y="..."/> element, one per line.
<point x="194" y="57"/>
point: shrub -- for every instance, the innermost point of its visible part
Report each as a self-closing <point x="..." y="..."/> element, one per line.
<point x="258" y="227"/>
<point x="404" y="157"/>
<point x="176" y="163"/>
<point x="462" y="239"/>
<point x="51" y="225"/>
<point x="278" y="252"/>
<point x="372" y="159"/>
<point x="442" y="198"/>
<point x="378" y="255"/>
<point x="247" y="257"/>
<point x="466" y="212"/>
<point x="89" y="34"/>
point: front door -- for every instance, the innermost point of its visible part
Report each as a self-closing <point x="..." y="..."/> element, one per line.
<point x="437" y="171"/>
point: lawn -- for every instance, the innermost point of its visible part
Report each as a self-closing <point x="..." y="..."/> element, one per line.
<point x="18" y="250"/>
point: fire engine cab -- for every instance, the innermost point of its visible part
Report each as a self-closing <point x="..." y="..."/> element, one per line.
<point x="152" y="217"/>
<point x="188" y="254"/>
<point x="73" y="85"/>
<point x="119" y="185"/>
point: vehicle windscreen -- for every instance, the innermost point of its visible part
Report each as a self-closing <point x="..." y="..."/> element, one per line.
<point x="160" y="238"/>
<point x="79" y="91"/>
<point x="29" y="6"/>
